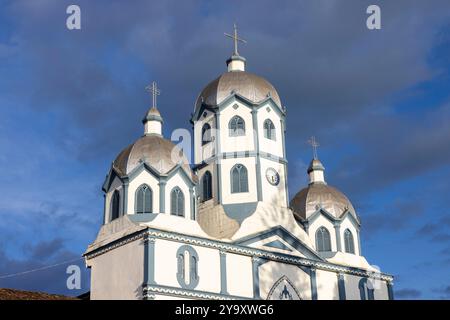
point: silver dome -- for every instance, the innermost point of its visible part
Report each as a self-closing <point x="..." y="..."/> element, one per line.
<point x="320" y="195"/>
<point x="153" y="150"/>
<point x="248" y="85"/>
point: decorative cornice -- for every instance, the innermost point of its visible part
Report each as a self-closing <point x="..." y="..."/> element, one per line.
<point x="232" y="248"/>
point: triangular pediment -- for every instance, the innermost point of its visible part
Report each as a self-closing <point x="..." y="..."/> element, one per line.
<point x="280" y="240"/>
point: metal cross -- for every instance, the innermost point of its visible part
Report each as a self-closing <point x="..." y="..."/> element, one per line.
<point x="155" y="92"/>
<point x="236" y="39"/>
<point x="312" y="141"/>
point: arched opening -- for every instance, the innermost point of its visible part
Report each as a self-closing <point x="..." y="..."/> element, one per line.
<point x="269" y="129"/>
<point x="115" y="205"/>
<point x="239" y="179"/>
<point x="236" y="127"/>
<point x="349" y="243"/>
<point x="177" y="202"/>
<point x="144" y="197"/>
<point x="323" y="240"/>
<point x="206" y="134"/>
<point x="206" y="186"/>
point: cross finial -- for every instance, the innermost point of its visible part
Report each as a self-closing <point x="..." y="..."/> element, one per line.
<point x="235" y="39"/>
<point x="312" y="141"/>
<point x="155" y="92"/>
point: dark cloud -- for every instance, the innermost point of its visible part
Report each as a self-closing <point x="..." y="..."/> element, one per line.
<point x="43" y="270"/>
<point x="408" y="294"/>
<point x="443" y="292"/>
<point x="436" y="231"/>
<point x="400" y="214"/>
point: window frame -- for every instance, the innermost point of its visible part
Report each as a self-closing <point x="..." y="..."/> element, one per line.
<point x="177" y="190"/>
<point x="235" y="132"/>
<point x="269" y="130"/>
<point x="323" y="231"/>
<point x="136" y="202"/>
<point x="240" y="188"/>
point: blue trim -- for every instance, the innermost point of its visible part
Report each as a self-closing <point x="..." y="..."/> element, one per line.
<point x="258" y="161"/>
<point x="191" y="202"/>
<point x="199" y="294"/>
<point x="162" y="195"/>
<point x="278" y="245"/>
<point x="125" y="196"/>
<point x="362" y="285"/>
<point x="218" y="166"/>
<point x="337" y="230"/>
<point x="240" y="211"/>
<point x="223" y="273"/>
<point x="256" y="263"/>
<point x="318" y="263"/>
<point x="313" y="278"/>
<point x="149" y="261"/>
<point x="390" y="290"/>
<point x="283" y="234"/>
<point x="341" y="287"/>
<point x="193" y="281"/>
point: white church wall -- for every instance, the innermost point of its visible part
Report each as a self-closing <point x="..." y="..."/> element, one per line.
<point x="239" y="275"/>
<point x="275" y="195"/>
<point x="177" y="181"/>
<point x="274" y="147"/>
<point x="348" y="224"/>
<point x="143" y="178"/>
<point x="166" y="266"/>
<point x="242" y="197"/>
<point x="380" y="290"/>
<point x="270" y="272"/>
<point x="327" y="285"/>
<point x="114" y="277"/>
<point x="241" y="143"/>
<point x="321" y="221"/>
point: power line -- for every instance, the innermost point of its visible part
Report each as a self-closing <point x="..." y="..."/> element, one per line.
<point x="38" y="269"/>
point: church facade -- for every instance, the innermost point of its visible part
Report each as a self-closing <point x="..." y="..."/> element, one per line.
<point x="224" y="228"/>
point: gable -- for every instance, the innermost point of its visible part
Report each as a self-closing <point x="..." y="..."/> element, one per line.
<point x="280" y="239"/>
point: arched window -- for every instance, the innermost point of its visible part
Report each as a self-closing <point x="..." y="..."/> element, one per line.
<point x="206" y="134"/>
<point x="349" y="243"/>
<point x="177" y="202"/>
<point x="115" y="205"/>
<point x="206" y="186"/>
<point x="144" y="199"/>
<point x="269" y="130"/>
<point x="323" y="240"/>
<point x="236" y="127"/>
<point x="365" y="289"/>
<point x="239" y="179"/>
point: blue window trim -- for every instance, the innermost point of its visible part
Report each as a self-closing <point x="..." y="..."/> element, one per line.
<point x="269" y="130"/>
<point x="241" y="171"/>
<point x="233" y="127"/>
<point x="136" y="198"/>
<point x="176" y="211"/>
<point x="325" y="246"/>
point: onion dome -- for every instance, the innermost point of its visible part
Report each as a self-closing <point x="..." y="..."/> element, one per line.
<point x="160" y="153"/>
<point x="319" y="195"/>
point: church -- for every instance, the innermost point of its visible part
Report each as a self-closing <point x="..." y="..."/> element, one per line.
<point x="223" y="227"/>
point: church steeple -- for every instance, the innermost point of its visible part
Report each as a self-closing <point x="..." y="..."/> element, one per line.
<point x="236" y="62"/>
<point x="316" y="168"/>
<point x="153" y="120"/>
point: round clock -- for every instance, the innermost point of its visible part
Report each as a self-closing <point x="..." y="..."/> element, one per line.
<point x="272" y="176"/>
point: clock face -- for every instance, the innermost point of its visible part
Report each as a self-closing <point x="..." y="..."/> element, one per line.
<point x="272" y="176"/>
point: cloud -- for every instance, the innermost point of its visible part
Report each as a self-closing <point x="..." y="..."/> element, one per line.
<point x="408" y="294"/>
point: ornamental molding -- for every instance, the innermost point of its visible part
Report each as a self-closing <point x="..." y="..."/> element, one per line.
<point x="232" y="248"/>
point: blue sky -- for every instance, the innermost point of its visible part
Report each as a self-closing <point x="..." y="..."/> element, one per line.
<point x="378" y="102"/>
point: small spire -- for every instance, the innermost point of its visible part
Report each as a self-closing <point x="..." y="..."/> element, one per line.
<point x="314" y="144"/>
<point x="316" y="168"/>
<point x="236" y="39"/>
<point x="153" y="120"/>
<point x="236" y="62"/>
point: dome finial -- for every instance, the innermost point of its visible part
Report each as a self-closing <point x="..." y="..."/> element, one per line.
<point x="316" y="168"/>
<point x="314" y="144"/>
<point x="153" y="120"/>
<point x="236" y="62"/>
